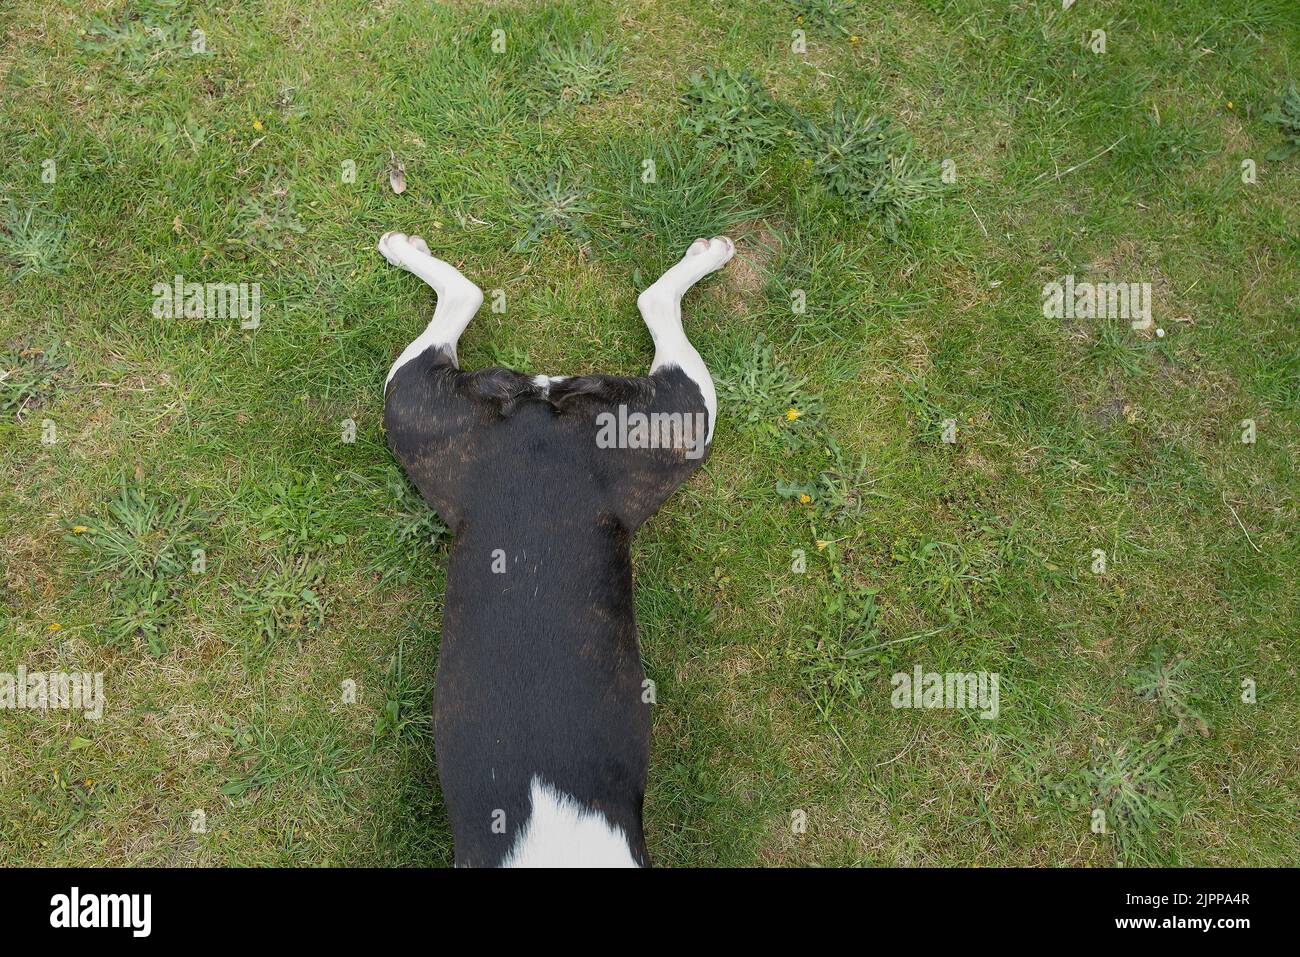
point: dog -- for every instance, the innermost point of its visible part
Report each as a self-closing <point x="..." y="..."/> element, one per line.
<point x="541" y="714"/>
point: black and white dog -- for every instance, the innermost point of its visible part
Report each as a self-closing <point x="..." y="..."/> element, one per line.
<point x="541" y="720"/>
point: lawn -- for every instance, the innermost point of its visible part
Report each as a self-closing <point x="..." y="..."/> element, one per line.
<point x="916" y="463"/>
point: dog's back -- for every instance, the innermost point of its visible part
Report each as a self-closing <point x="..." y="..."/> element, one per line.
<point x="541" y="720"/>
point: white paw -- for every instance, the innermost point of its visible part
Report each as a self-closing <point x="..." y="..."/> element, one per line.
<point x="392" y="245"/>
<point x="399" y="248"/>
<point x="728" y="248"/>
<point x="710" y="254"/>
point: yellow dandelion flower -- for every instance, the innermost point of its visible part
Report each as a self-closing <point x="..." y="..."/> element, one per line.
<point x="257" y="125"/>
<point x="78" y="529"/>
<point x="792" y="414"/>
<point x="805" y="498"/>
<point x="821" y="544"/>
<point x="54" y="626"/>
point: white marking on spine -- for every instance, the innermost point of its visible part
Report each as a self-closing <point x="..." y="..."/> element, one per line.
<point x="562" y="833"/>
<point x="544" y="382"/>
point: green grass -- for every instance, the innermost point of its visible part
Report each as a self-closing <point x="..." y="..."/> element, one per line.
<point x="955" y="461"/>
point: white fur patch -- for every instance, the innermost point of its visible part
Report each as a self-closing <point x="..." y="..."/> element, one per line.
<point x="458" y="298"/>
<point x="680" y="353"/>
<point x="661" y="308"/>
<point x="432" y="336"/>
<point x="562" y="833"/>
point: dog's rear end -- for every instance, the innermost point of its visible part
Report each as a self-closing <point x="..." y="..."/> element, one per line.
<point x="541" y="716"/>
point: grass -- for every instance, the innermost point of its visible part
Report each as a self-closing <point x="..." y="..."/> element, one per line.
<point x="27" y="376"/>
<point x="139" y="553"/>
<point x="732" y="114"/>
<point x="899" y="198"/>
<point x="572" y="75"/>
<point x="30" y="244"/>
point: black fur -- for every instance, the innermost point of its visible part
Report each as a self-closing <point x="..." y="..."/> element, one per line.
<point x="539" y="671"/>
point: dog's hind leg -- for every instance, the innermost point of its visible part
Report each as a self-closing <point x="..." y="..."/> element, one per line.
<point x="661" y="308"/>
<point x="458" y="298"/>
